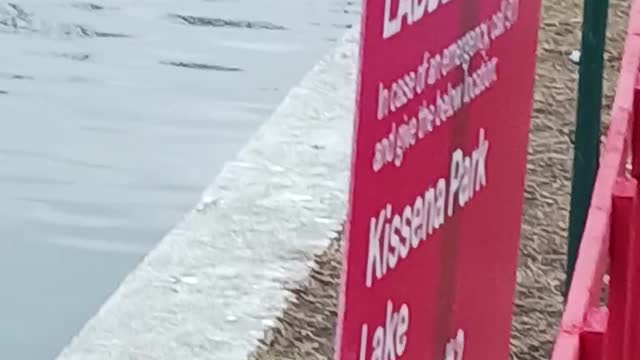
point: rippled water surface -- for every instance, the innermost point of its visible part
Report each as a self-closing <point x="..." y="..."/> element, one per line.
<point x="115" y="115"/>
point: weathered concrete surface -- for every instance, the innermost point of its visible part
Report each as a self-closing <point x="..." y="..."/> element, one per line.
<point x="217" y="280"/>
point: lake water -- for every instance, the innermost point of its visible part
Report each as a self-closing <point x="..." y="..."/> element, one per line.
<point x="115" y="116"/>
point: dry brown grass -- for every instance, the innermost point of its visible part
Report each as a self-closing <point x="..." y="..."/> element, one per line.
<point x="306" y="328"/>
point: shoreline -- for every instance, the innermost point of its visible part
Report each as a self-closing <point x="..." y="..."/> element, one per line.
<point x="218" y="280"/>
<point x="277" y="211"/>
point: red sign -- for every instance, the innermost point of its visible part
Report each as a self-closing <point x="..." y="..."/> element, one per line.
<point x="444" y="101"/>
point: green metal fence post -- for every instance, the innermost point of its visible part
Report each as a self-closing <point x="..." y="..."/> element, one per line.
<point x="587" y="135"/>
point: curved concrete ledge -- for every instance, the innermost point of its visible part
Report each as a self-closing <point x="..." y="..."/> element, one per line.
<point x="215" y="282"/>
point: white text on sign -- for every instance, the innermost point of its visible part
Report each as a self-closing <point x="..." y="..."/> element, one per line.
<point x="392" y="236"/>
<point x="454" y="350"/>
<point x="389" y="340"/>
<point x="410" y="11"/>
<point x="448" y="96"/>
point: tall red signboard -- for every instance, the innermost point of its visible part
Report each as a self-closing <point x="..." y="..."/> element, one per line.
<point x="443" y="111"/>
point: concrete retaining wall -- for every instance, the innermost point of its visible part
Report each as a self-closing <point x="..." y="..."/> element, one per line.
<point x="215" y="282"/>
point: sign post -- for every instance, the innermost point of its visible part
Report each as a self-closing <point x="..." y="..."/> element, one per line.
<point x="587" y="136"/>
<point x="443" y="112"/>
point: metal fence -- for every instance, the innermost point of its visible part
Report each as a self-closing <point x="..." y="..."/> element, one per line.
<point x="601" y="317"/>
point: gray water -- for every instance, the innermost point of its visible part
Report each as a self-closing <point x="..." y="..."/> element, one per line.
<point x="115" y="116"/>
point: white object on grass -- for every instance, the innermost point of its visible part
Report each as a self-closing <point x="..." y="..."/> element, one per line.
<point x="575" y="57"/>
